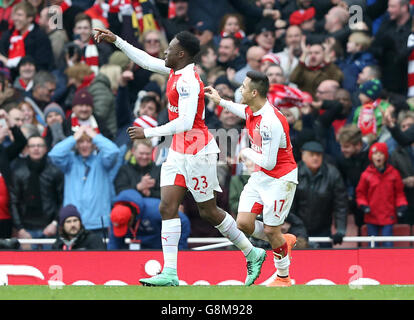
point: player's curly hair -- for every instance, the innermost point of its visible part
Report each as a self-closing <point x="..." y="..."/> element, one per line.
<point x="189" y="42"/>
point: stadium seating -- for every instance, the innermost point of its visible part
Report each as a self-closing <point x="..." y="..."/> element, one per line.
<point x="398" y="230"/>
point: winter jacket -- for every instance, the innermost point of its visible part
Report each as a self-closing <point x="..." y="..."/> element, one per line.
<point x="390" y="49"/>
<point x="88" y="182"/>
<point x="352" y="66"/>
<point x="383" y="193"/>
<point x="130" y="174"/>
<point x="308" y="79"/>
<point x="51" y="193"/>
<point x="149" y="218"/>
<point x="85" y="240"/>
<point x="104" y="102"/>
<point x="37" y="45"/>
<point x="402" y="159"/>
<point x="319" y="198"/>
<point x="352" y="168"/>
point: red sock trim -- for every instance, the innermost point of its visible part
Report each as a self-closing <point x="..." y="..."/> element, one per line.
<point x="281" y="252"/>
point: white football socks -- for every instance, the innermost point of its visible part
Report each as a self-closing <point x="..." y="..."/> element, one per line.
<point x="170" y="236"/>
<point x="258" y="232"/>
<point x="282" y="266"/>
<point x="228" y="228"/>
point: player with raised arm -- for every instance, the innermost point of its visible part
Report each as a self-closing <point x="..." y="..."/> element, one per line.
<point x="192" y="159"/>
<point x="271" y="188"/>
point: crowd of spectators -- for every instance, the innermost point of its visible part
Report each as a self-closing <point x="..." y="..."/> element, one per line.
<point x="341" y="71"/>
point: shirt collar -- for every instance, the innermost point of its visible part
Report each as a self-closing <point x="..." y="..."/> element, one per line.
<point x="262" y="109"/>
<point x="187" y="67"/>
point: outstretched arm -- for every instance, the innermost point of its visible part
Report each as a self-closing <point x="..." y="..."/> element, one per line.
<point x="188" y="101"/>
<point x="140" y="57"/>
<point x="236" y="108"/>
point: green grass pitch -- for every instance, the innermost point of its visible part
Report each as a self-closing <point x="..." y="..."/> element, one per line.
<point x="298" y="292"/>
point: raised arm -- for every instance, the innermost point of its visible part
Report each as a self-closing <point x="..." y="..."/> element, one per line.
<point x="140" y="57"/>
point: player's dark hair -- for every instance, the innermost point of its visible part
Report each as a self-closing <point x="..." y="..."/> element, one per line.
<point x="259" y="81"/>
<point x="189" y="42"/>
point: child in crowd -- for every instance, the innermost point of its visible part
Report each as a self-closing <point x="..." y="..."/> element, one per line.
<point x="380" y="193"/>
<point x="368" y="116"/>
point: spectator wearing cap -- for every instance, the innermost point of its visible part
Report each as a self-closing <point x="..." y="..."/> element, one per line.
<point x="320" y="195"/>
<point x="265" y="34"/>
<point x="254" y="58"/>
<point x="37" y="193"/>
<point x="82" y="115"/>
<point x="88" y="161"/>
<point x="228" y="54"/>
<point x="72" y="233"/>
<point x="54" y="131"/>
<point x="140" y="173"/>
<point x="380" y="193"/>
<point x="27" y="71"/>
<point x="304" y="18"/>
<point x="267" y="60"/>
<point x="368" y="116"/>
<point x="139" y="219"/>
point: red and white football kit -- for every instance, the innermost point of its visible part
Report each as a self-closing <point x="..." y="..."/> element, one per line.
<point x="192" y="158"/>
<point x="271" y="188"/>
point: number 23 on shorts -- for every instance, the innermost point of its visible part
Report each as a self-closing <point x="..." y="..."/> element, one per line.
<point x="200" y="183"/>
<point x="280" y="204"/>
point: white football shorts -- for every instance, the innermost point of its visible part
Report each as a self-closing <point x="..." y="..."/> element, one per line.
<point x="197" y="173"/>
<point x="267" y="195"/>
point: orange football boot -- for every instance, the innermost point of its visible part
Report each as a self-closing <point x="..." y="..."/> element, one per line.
<point x="285" y="282"/>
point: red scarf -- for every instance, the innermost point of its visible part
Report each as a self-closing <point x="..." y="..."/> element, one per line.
<point x="410" y="44"/>
<point x="17" y="48"/>
<point x="239" y="34"/>
<point x="143" y="19"/>
<point x="282" y="96"/>
<point x="92" y="123"/>
<point x="65" y="5"/>
<point x="26" y="86"/>
<point x="91" y="56"/>
<point x="367" y="121"/>
<point x="99" y="11"/>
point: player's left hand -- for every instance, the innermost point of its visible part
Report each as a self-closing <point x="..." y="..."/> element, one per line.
<point x="136" y="133"/>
